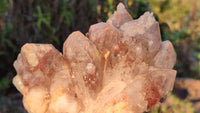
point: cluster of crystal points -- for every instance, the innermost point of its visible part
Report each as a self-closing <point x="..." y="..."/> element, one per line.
<point x="120" y="66"/>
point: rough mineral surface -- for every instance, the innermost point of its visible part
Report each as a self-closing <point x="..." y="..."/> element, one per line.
<point x="120" y="66"/>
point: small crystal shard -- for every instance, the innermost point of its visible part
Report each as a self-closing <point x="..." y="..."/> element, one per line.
<point x="120" y="66"/>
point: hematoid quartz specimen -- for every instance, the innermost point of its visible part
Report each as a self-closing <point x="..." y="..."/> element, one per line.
<point x="120" y="66"/>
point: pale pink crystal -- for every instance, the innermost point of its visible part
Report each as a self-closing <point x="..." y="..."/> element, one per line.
<point x="120" y="66"/>
<point x="119" y="17"/>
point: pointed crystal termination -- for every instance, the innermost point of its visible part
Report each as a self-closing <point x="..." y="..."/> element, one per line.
<point x="121" y="66"/>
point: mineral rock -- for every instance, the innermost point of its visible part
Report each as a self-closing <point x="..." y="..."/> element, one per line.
<point x="120" y="66"/>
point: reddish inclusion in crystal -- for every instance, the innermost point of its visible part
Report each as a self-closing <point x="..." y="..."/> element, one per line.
<point x="91" y="81"/>
<point x="152" y="96"/>
<point x="129" y="59"/>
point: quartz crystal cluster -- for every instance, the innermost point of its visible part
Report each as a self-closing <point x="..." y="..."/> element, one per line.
<point x="120" y="66"/>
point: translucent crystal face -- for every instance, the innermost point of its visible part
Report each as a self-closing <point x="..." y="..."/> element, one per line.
<point x="121" y="66"/>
